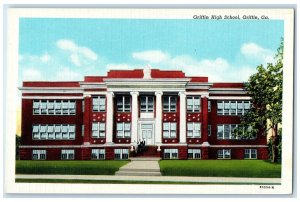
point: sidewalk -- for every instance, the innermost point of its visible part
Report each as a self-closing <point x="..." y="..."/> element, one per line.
<point x="157" y="178"/>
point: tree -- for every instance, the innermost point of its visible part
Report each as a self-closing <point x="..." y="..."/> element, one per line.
<point x="265" y="89"/>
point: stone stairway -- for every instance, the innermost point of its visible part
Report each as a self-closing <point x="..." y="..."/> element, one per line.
<point x="141" y="166"/>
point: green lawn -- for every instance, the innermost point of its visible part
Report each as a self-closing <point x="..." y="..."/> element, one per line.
<point x="69" y="167"/>
<point x="220" y="168"/>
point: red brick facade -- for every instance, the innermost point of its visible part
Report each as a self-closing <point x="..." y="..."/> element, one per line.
<point x="175" y="135"/>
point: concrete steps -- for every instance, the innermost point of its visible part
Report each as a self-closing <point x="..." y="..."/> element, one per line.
<point x="146" y="166"/>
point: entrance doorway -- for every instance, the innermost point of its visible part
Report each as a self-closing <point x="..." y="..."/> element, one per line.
<point x="146" y="133"/>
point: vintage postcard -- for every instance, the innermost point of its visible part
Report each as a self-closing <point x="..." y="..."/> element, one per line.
<point x="149" y="101"/>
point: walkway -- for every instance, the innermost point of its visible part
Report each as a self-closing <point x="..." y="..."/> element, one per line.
<point x="141" y="166"/>
<point x="157" y="178"/>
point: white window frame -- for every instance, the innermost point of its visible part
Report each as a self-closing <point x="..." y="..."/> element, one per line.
<point x="124" y="132"/>
<point x="40" y="154"/>
<point x="168" y="107"/>
<point x="122" y="104"/>
<point x="97" y="129"/>
<point x="70" y="154"/>
<point x="209" y="130"/>
<point x="231" y="132"/>
<point x="123" y="154"/>
<point x="193" y="99"/>
<point x="234" y="107"/>
<point x="196" y="153"/>
<point x="223" y="155"/>
<point x="147" y="104"/>
<point x="54" y="107"/>
<point x="98" y="154"/>
<point x="59" y="132"/>
<point x="168" y="130"/>
<point x="249" y="153"/>
<point x="173" y="153"/>
<point x="99" y="105"/>
<point x="194" y="130"/>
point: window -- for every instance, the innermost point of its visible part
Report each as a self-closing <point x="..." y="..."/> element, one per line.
<point x="224" y="154"/>
<point x="53" y="132"/>
<point x="194" y="153"/>
<point x="98" y="129"/>
<point x="170" y="153"/>
<point x="209" y="130"/>
<point x="123" y="130"/>
<point x="193" y="129"/>
<point x="169" y="103"/>
<point x="169" y="129"/>
<point x="193" y="104"/>
<point x="54" y="107"/>
<point x="250" y="154"/>
<point x="233" y="108"/>
<point x="38" y="154"/>
<point x="121" y="154"/>
<point x="67" y="154"/>
<point x="99" y="104"/>
<point x="82" y="130"/>
<point x="123" y="104"/>
<point x="98" y="154"/>
<point x="229" y="131"/>
<point x="147" y="104"/>
<point x="209" y="106"/>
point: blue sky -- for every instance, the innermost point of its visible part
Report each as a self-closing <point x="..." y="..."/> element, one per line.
<point x="69" y="49"/>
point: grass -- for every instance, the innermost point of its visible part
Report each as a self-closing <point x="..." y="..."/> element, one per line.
<point x="69" y="167"/>
<point x="126" y="182"/>
<point x="220" y="168"/>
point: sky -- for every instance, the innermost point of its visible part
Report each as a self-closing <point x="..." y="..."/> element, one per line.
<point x="68" y="49"/>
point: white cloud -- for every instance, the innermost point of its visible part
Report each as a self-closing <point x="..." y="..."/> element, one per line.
<point x="31" y="74"/>
<point x="45" y="58"/>
<point x="152" y="56"/>
<point x="254" y="51"/>
<point x="79" y="55"/>
<point x="67" y="75"/>
<point x="75" y="59"/>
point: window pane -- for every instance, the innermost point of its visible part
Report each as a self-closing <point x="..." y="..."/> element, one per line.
<point x="35" y="128"/>
<point x="119" y="126"/>
<point x="102" y="126"/>
<point x="127" y="126"/>
<point x="173" y="126"/>
<point x="72" y="128"/>
<point x="197" y="126"/>
<point x="226" y="131"/>
<point x="94" y="126"/>
<point x="190" y="126"/>
<point x="220" y="131"/>
<point x="189" y="101"/>
<point x="166" y="126"/>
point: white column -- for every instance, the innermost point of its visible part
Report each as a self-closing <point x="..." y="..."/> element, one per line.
<point x="182" y="124"/>
<point x="134" y="116"/>
<point x="158" y="118"/>
<point x="109" y="117"/>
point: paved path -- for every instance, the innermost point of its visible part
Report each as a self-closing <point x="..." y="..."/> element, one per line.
<point x="157" y="178"/>
<point x="140" y="167"/>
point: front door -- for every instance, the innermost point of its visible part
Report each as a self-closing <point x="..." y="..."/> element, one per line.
<point x="146" y="133"/>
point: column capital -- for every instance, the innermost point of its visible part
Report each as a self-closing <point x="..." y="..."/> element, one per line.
<point x="134" y="93"/>
<point x="182" y="93"/>
<point x="110" y="93"/>
<point x="205" y="95"/>
<point x="158" y="93"/>
<point x="87" y="95"/>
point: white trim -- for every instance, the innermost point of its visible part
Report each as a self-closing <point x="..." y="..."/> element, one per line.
<point x="229" y="98"/>
<point x="89" y="93"/>
<point x="142" y="80"/>
<point x="50" y="90"/>
<point x="236" y="146"/>
<point x="53" y="97"/>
